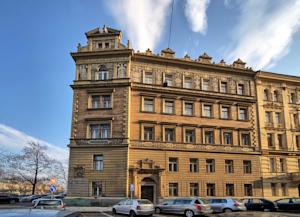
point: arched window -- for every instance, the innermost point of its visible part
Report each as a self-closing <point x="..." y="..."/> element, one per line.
<point x="266" y="94"/>
<point x="103" y="73"/>
<point x="275" y="96"/>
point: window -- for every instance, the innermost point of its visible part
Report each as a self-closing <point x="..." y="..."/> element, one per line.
<point x="275" y="96"/>
<point x="103" y="101"/>
<point x="173" y="164"/>
<point x="272" y="165"/>
<point x="207" y="110"/>
<point x="243" y="114"/>
<point x="229" y="166"/>
<point x="266" y="95"/>
<point x="295" y="118"/>
<point x="248" y="190"/>
<point x="223" y="87"/>
<point x="273" y="189"/>
<point x="205" y="84"/>
<point x="173" y="189"/>
<point x="148" y="105"/>
<point x="194" y="165"/>
<point x="240" y="89"/>
<point x="270" y="139"/>
<point x="148" y="78"/>
<point x="188" y="108"/>
<point x="194" y="189"/>
<point x="210" y="189"/>
<point x="169" y="79"/>
<point x="278" y="117"/>
<point x="292" y="97"/>
<point x="95" y="101"/>
<point x="282" y="163"/>
<point x="297" y="138"/>
<point x="106" y="45"/>
<point x="298" y="164"/>
<point x="247" y="166"/>
<point x="98" y="162"/>
<point x="283" y="189"/>
<point x="97" y="188"/>
<point x="229" y="189"/>
<point x="100" y="45"/>
<point x="227" y="136"/>
<point x="99" y="131"/>
<point x="103" y="73"/>
<point x="246" y="139"/>
<point x="190" y="135"/>
<point x="106" y="101"/>
<point x="210" y="165"/>
<point x="209" y="137"/>
<point x="187" y="82"/>
<point x="169" y="134"/>
<point x="225" y="112"/>
<point x="268" y="117"/>
<point x="149" y="133"/>
<point x="169" y="107"/>
<point x="280" y="140"/>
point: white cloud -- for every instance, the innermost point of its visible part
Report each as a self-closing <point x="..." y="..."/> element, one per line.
<point x="142" y="20"/>
<point x="195" y="12"/>
<point x="265" y="31"/>
<point x="13" y="140"/>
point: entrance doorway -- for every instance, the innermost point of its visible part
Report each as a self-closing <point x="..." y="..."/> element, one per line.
<point x="147" y="192"/>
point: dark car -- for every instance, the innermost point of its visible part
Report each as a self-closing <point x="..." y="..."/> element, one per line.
<point x="260" y="204"/>
<point x="288" y="204"/>
<point x="8" y="199"/>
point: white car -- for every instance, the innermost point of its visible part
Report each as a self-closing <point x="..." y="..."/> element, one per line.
<point x="134" y="207"/>
<point x="57" y="204"/>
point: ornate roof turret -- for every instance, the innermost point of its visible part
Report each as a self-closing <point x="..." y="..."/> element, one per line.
<point x="239" y="63"/>
<point x="204" y="58"/>
<point x="168" y="52"/>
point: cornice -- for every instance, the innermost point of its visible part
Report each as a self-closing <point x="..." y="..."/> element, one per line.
<point x="104" y="53"/>
<point x="277" y="77"/>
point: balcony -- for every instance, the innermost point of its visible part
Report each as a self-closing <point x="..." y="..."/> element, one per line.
<point x="99" y="142"/>
<point x="295" y="176"/>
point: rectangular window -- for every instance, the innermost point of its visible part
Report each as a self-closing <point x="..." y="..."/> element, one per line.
<point x="194" y="189"/>
<point x="297" y="138"/>
<point x="103" y="75"/>
<point x="148" y="105"/>
<point x="188" y="108"/>
<point x="223" y="87"/>
<point x="245" y="139"/>
<point x="210" y="165"/>
<point x="227" y="136"/>
<point x="149" y="133"/>
<point x="148" y="78"/>
<point x="248" y="190"/>
<point x="272" y="165"/>
<point x="209" y="137"/>
<point x="205" y="84"/>
<point x="173" y="164"/>
<point x="229" y="189"/>
<point x="278" y="117"/>
<point x="280" y="140"/>
<point x="97" y="188"/>
<point x="284" y="189"/>
<point x="268" y="117"/>
<point x="229" y="166"/>
<point x="273" y="189"/>
<point x="298" y="164"/>
<point x="240" y="89"/>
<point x="282" y="164"/>
<point x="207" y="110"/>
<point x="169" y="79"/>
<point x="247" y="167"/>
<point x="270" y="139"/>
<point x="295" y="118"/>
<point x="243" y="114"/>
<point x="99" y="131"/>
<point x="169" y="135"/>
<point x="95" y="101"/>
<point x="225" y="112"/>
<point x="189" y="135"/>
<point x="98" y="162"/>
<point x="194" y="165"/>
<point x="187" y="82"/>
<point x="107" y="45"/>
<point x="292" y="97"/>
<point x="173" y="189"/>
<point x="106" y="101"/>
<point x="169" y="107"/>
<point x="98" y="101"/>
<point x="210" y="189"/>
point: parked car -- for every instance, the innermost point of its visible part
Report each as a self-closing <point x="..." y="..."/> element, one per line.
<point x="30" y="198"/>
<point x="57" y="204"/>
<point x="47" y="197"/>
<point x="187" y="206"/>
<point x="226" y="205"/>
<point x="260" y="204"/>
<point x="134" y="207"/>
<point x="288" y="204"/>
<point x="8" y="199"/>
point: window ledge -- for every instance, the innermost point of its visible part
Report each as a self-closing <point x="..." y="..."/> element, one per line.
<point x="168" y="113"/>
<point x="95" y="109"/>
<point x="148" y="112"/>
<point x="207" y="117"/>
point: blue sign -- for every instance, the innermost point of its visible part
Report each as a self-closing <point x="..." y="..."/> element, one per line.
<point x="52" y="188"/>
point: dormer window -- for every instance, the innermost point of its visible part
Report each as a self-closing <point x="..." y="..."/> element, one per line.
<point x="103" y="73"/>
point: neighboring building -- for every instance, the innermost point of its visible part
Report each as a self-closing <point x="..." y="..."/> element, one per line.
<point x="169" y="126"/>
<point x="278" y="98"/>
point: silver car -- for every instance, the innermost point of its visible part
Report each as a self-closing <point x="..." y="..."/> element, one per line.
<point x="188" y="206"/>
<point x="134" y="207"/>
<point x="226" y="205"/>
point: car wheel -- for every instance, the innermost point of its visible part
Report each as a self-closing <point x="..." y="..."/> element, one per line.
<point x="189" y="213"/>
<point x="132" y="213"/>
<point x="157" y="210"/>
<point x="114" y="211"/>
<point x="227" y="210"/>
<point x="267" y="210"/>
<point x="12" y="201"/>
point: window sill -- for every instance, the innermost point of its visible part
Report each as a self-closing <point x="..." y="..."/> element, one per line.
<point x="95" y="109"/>
<point x="148" y="112"/>
<point x="226" y="119"/>
<point x="207" y="117"/>
<point x="168" y="113"/>
<point x="188" y="115"/>
<point x="244" y="120"/>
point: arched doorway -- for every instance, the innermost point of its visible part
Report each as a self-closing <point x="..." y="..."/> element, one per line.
<point x="148" y="189"/>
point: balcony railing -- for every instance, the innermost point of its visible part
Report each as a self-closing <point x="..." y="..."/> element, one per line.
<point x="106" y="141"/>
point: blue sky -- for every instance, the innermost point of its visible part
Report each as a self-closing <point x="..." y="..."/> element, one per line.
<point x="37" y="37"/>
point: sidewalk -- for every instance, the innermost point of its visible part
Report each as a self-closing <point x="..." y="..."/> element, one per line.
<point x="72" y="209"/>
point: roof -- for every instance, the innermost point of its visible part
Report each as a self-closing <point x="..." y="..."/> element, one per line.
<point x="104" y="32"/>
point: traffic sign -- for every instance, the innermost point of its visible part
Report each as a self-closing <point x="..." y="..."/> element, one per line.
<point x="131" y="187"/>
<point x="52" y="188"/>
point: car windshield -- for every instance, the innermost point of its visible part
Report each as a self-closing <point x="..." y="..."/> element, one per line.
<point x="183" y="201"/>
<point x="144" y="202"/>
<point x="49" y="203"/>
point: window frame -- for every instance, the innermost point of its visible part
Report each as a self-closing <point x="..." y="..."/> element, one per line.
<point x="100" y="161"/>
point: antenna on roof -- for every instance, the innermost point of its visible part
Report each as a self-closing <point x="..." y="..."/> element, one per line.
<point x="170" y="29"/>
